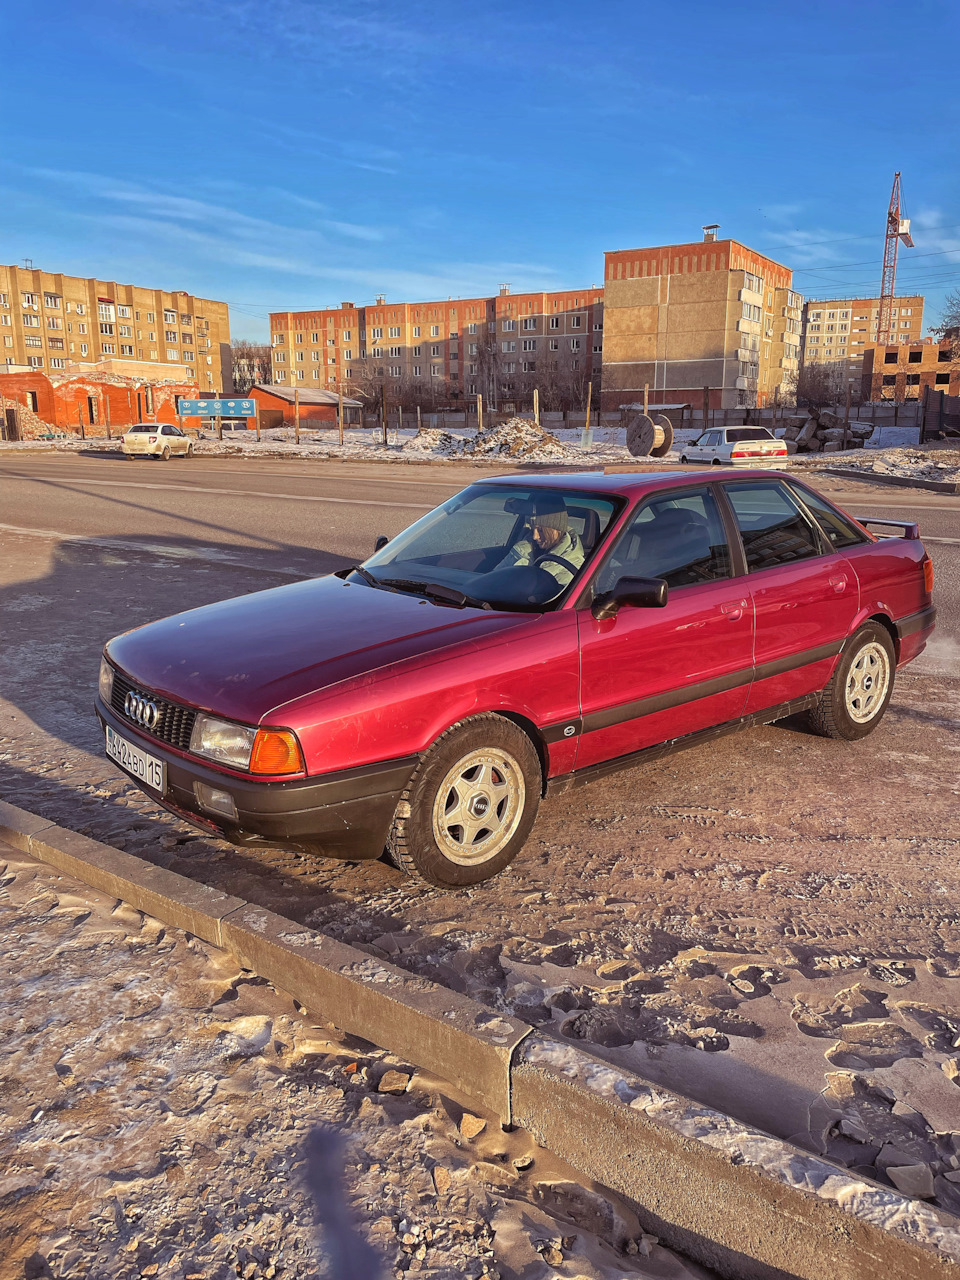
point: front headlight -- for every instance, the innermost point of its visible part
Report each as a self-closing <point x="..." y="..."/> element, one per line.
<point x="106" y="680"/>
<point x="220" y="740"/>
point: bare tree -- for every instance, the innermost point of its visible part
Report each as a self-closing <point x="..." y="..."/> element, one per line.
<point x="820" y="384"/>
<point x="950" y="316"/>
<point x="251" y="363"/>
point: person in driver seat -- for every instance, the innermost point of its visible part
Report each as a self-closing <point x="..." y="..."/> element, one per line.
<point x="552" y="545"/>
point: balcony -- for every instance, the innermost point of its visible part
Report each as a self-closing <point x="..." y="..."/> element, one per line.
<point x="745" y="384"/>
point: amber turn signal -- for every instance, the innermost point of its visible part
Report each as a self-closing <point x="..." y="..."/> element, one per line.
<point x="928" y="575"/>
<point x="276" y="751"/>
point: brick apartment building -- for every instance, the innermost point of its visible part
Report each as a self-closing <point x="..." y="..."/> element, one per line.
<point x="57" y="323"/>
<point x="708" y="314"/>
<point x="839" y="331"/>
<point x="445" y="351"/>
<point x="902" y="371"/>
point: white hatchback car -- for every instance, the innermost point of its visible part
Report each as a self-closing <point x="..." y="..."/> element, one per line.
<point x="732" y="446"/>
<point x="155" y="440"/>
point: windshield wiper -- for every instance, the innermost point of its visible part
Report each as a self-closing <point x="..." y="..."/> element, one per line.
<point x="367" y="577"/>
<point x="433" y="591"/>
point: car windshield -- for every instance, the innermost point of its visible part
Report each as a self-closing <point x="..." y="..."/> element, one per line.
<point x="503" y="547"/>
<point x="748" y="433"/>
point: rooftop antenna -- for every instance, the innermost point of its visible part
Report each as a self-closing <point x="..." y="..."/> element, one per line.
<point x="28" y="263"/>
<point x="898" y="229"/>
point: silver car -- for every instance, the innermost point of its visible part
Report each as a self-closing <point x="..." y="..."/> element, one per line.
<point x="155" y="440"/>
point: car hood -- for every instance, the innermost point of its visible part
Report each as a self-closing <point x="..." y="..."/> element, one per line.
<point x="243" y="658"/>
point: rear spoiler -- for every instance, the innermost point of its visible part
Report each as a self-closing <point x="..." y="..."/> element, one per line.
<point x="910" y="529"/>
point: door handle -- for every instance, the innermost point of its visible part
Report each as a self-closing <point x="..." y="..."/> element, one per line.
<point x="734" y="610"/>
<point x="839" y="582"/>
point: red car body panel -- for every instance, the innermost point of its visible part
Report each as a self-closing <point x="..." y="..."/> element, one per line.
<point x="369" y="679"/>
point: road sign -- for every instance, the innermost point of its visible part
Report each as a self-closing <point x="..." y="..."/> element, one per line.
<point x="217" y="408"/>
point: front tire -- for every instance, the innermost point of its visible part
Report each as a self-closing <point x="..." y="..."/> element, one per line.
<point x="683" y="459"/>
<point x="189" y="451"/>
<point x="853" y="703"/>
<point x="469" y="807"/>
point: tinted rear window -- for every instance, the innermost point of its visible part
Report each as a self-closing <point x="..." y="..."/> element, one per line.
<point x="841" y="531"/>
<point x="774" y="528"/>
<point x="747" y="433"/>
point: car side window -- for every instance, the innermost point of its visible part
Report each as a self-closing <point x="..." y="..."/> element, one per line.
<point x="678" y="537"/>
<point x="774" y="528"/>
<point x="841" y="531"/>
<point x="166" y="431"/>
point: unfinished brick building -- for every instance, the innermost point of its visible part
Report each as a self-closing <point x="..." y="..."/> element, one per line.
<point x="35" y="404"/>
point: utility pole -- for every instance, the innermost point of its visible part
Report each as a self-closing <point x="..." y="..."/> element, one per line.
<point x="586" y="439"/>
<point x="340" y="411"/>
<point x="106" y="405"/>
<point x="296" y="415"/>
<point x="83" y="434"/>
<point x="479" y="413"/>
<point x="536" y="406"/>
<point x="383" y="412"/>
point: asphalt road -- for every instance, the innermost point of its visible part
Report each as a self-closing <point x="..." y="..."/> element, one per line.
<point x="309" y="517"/>
<point x="814" y="856"/>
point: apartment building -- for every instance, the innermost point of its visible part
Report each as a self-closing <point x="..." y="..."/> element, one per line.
<point x="901" y="371"/>
<point x="841" y="330"/>
<point x="709" y="315"/>
<point x="500" y="347"/>
<point x="53" y="322"/>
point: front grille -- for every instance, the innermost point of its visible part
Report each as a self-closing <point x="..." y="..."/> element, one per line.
<point x="174" y="724"/>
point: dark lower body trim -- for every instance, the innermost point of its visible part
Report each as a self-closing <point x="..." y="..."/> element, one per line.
<point x="582" y="776"/>
<point x="914" y="622"/>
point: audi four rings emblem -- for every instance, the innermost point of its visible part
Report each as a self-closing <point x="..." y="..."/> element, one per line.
<point x="140" y="709"/>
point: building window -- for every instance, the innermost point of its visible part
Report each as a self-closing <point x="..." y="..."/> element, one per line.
<point x="394" y="371"/>
<point x="416" y="371"/>
<point x="54" y="322"/>
<point x="125" y="331"/>
<point x="300" y="374"/>
<point x="169" y="317"/>
<point x="574" y="344"/>
<point x="57" y="362"/>
<point x="126" y="349"/>
<point x="942" y="379"/>
<point x="30" y="300"/>
<point x="376" y="333"/>
<point x="299" y="338"/>
<point x="105" y="311"/>
<point x="529" y="366"/>
<point x="315" y="356"/>
<point x="530" y="322"/>
<point x="123" y="313"/>
<point x="52" y="301"/>
<point x="597" y="348"/>
<point x="345" y="336"/>
<point x="31" y="322"/>
<point x="170" y="335"/>
<point x="472" y="368"/>
<point x="471" y="328"/>
<point x="84" y="348"/>
<point x="508" y="346"/>
<point x="377" y="352"/>
<point x="417" y="351"/>
<point x="554" y="344"/>
<point x="416" y="331"/>
<point x="55" y="344"/>
<point x="529" y="344"/>
<point x="436" y="370"/>
<point x="508" y="326"/>
<point x="435" y="350"/>
<point x="279" y="355"/>
<point x="891" y="357"/>
<point x="280" y="374"/>
<point x="395" y="331"/>
<point x="576" y="322"/>
<point x="348" y="355"/>
<point x="35" y="362"/>
<point x="108" y="348"/>
<point x="32" y="340"/>
<point x="184" y="318"/>
<point x="171" y="353"/>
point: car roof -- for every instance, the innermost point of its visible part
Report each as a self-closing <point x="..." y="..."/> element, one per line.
<point x="625" y="483"/>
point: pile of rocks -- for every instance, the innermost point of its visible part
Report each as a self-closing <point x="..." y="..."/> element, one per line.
<point x="822" y="431"/>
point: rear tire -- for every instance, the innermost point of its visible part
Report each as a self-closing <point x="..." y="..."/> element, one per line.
<point x="165" y="454"/>
<point x="469" y="807"/>
<point x="853" y="703"/>
<point x="716" y="462"/>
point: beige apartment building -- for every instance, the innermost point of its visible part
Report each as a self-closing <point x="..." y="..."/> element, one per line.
<point x="841" y="330"/>
<point x="53" y="322"/>
<point x="708" y="317"/>
<point x="500" y="347"/>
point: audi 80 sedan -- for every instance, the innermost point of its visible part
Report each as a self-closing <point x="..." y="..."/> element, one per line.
<point x="529" y="635"/>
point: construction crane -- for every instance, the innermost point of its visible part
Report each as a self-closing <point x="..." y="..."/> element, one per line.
<point x="897" y="229"/>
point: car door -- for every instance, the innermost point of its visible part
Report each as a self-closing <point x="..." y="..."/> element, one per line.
<point x="805" y="594"/>
<point x="649" y="675"/>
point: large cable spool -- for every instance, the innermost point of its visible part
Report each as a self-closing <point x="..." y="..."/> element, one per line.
<point x="649" y="437"/>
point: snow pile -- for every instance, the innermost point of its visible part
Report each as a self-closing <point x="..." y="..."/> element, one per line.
<point x="908" y="464"/>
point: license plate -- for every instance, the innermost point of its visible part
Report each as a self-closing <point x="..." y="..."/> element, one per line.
<point x="147" y="768"/>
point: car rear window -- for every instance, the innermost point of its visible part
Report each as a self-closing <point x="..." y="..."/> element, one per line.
<point x="143" y="426"/>
<point x="841" y="531"/>
<point x="747" y="433"/>
<point x="774" y="527"/>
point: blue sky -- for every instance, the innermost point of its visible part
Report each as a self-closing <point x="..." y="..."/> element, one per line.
<point x="298" y="153"/>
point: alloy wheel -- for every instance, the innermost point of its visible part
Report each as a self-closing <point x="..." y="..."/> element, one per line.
<point x="478" y="806"/>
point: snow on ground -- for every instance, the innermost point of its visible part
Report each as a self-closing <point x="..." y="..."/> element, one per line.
<point x="160" y="1107"/>
<point x="910" y="464"/>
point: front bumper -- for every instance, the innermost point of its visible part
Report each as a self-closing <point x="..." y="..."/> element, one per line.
<point x="339" y="815"/>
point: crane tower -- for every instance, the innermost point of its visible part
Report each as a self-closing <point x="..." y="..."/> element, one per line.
<point x="898" y="229"/>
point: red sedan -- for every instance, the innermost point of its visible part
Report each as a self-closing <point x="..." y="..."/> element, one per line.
<point x="529" y="635"/>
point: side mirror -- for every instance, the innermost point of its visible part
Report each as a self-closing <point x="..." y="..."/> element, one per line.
<point x="639" y="593"/>
<point x="380" y="543"/>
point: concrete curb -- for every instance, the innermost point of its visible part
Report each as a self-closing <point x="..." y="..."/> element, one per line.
<point x="901" y="482"/>
<point x="750" y="1206"/>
